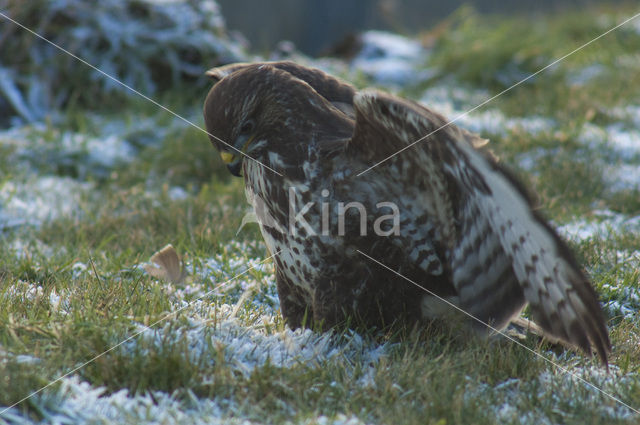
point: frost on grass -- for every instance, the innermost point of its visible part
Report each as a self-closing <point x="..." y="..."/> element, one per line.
<point x="28" y="248"/>
<point x="619" y="291"/>
<point x="246" y="338"/>
<point x="80" y="403"/>
<point x="249" y="343"/>
<point x="455" y="103"/>
<point x="623" y="177"/>
<point x="67" y="152"/>
<point x="623" y="301"/>
<point x="245" y="347"/>
<point x="26" y="292"/>
<point x="556" y="395"/>
<point x="391" y="59"/>
<point x="621" y="145"/>
<point x="384" y="58"/>
<point x="561" y="389"/>
<point x="40" y="199"/>
<point x="145" y="44"/>
<point x="39" y="148"/>
<point x="624" y="142"/>
<point x="586" y="75"/>
<point x="339" y="419"/>
<point x="604" y="224"/>
<point x="628" y="113"/>
<point x="620" y="298"/>
<point x="239" y="273"/>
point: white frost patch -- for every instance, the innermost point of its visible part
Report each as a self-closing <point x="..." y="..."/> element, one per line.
<point x="233" y="261"/>
<point x="105" y="152"/>
<point x="448" y="98"/>
<point x="141" y="130"/>
<point x="245" y="347"/>
<point x="234" y="274"/>
<point x="37" y="145"/>
<point x="557" y="392"/>
<point x="248" y="347"/>
<point x="454" y="102"/>
<point x="632" y="258"/>
<point x="27" y="249"/>
<point x="177" y="193"/>
<point x="625" y="143"/>
<point x="585" y="75"/>
<point x="127" y="40"/>
<point x="23" y="291"/>
<point x="494" y="122"/>
<point x="338" y="420"/>
<point x="621" y="152"/>
<point x="624" y="299"/>
<point x="623" y="177"/>
<point x="78" y="402"/>
<point x="629" y="113"/>
<point x="528" y="160"/>
<point x="391" y="59"/>
<point x="40" y="199"/>
<point x="618" y="308"/>
<point x="604" y="224"/>
<point x="115" y="142"/>
<point x="19" y="358"/>
<point x="564" y="387"/>
<point x="633" y="113"/>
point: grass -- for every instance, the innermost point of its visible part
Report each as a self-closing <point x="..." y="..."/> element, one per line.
<point x="70" y="288"/>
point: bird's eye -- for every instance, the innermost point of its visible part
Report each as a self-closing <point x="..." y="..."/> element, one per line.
<point x="247" y="127"/>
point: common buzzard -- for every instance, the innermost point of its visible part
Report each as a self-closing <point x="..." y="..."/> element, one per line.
<point x="443" y="213"/>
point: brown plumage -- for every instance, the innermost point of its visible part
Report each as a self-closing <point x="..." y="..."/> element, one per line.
<point x="466" y="231"/>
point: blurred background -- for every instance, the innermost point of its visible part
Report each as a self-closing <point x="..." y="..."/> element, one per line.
<point x="158" y="45"/>
<point x="315" y="26"/>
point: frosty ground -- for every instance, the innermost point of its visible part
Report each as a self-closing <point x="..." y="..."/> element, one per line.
<point x="86" y="197"/>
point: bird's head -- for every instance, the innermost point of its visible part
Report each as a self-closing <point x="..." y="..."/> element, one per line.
<point x="257" y="112"/>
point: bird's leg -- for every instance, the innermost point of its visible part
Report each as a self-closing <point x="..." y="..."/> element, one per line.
<point x="520" y="327"/>
<point x="295" y="310"/>
<point x="326" y="304"/>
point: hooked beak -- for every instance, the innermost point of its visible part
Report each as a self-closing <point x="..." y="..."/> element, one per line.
<point x="234" y="164"/>
<point x="234" y="160"/>
<point x="227" y="157"/>
<point x="235" y="168"/>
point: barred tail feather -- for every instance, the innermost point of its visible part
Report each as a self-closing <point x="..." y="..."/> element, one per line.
<point x="482" y="272"/>
<point x="561" y="297"/>
<point x="503" y="254"/>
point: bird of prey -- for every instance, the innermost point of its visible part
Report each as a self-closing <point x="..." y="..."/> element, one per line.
<point x="442" y="219"/>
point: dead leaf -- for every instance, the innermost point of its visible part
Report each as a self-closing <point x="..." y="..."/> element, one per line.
<point x="166" y="265"/>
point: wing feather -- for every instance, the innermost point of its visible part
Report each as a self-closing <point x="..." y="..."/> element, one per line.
<point x="501" y="252"/>
<point x="336" y="91"/>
